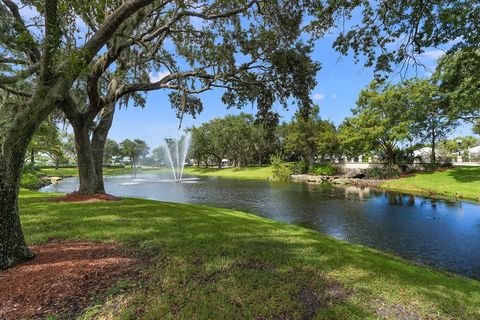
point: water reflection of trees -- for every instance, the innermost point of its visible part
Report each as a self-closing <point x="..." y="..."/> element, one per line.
<point x="399" y="199"/>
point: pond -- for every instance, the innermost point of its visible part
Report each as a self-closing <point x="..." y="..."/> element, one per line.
<point x="441" y="234"/>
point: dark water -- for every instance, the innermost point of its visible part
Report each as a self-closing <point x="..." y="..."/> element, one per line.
<point x="440" y="234"/>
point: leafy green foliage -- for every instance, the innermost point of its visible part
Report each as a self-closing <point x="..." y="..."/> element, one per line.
<point x="396" y="33"/>
<point x="134" y="149"/>
<point x="31" y="181"/>
<point x="378" y="122"/>
<point x="457" y="77"/>
<point x="324" y="170"/>
<point x="298" y="167"/>
<point x="237" y="137"/>
<point x="111" y="151"/>
<point x="280" y="169"/>
<point x="382" y="173"/>
<point x="430" y="121"/>
<point x="309" y="137"/>
<point x="48" y="140"/>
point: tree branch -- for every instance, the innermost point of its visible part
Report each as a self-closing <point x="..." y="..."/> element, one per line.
<point x="200" y="15"/>
<point x="33" y="53"/>
<point x="21" y="75"/>
<point x="15" y="92"/>
<point x="110" y="25"/>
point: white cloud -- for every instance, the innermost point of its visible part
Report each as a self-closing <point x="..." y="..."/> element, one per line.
<point x="318" y="96"/>
<point x="433" y="54"/>
<point x="157" y="76"/>
<point x="334" y="96"/>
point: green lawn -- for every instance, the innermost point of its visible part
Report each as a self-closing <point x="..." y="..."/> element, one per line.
<point x="237" y="173"/>
<point x="213" y="263"/>
<point x="460" y="183"/>
<point x="109" y="171"/>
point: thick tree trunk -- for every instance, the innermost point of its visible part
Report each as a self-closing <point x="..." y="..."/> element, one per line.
<point x="18" y="122"/>
<point x="434" y="140"/>
<point x="85" y="161"/>
<point x="99" y="138"/>
<point x="32" y="157"/>
<point x="311" y="162"/>
<point x="16" y="131"/>
<point x="13" y="249"/>
<point x="90" y="149"/>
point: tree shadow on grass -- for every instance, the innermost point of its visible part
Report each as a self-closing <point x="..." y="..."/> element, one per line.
<point x="217" y="263"/>
<point x="465" y="174"/>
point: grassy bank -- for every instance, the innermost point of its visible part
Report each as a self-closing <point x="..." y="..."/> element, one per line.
<point x="237" y="173"/>
<point x="457" y="183"/>
<point x="109" y="171"/>
<point x="213" y="263"/>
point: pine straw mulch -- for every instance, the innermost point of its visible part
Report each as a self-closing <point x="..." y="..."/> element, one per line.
<point x="64" y="278"/>
<point x="77" y="197"/>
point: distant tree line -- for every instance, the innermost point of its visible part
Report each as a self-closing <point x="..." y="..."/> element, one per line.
<point x="389" y="121"/>
<point x="51" y="145"/>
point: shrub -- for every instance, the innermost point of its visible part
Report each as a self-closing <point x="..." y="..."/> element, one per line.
<point x="298" y="167"/>
<point x="31" y="181"/>
<point x="382" y="173"/>
<point x="280" y="170"/>
<point x="324" y="170"/>
<point x="429" y="167"/>
<point x="28" y="168"/>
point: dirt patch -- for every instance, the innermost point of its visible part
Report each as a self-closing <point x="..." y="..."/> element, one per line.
<point x="64" y="278"/>
<point x="397" y="311"/>
<point x="77" y="197"/>
<point x="254" y="264"/>
<point x="314" y="299"/>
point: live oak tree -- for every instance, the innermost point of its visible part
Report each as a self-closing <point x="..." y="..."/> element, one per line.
<point x="310" y="136"/>
<point x="200" y="146"/>
<point x="47" y="140"/>
<point x="456" y="75"/>
<point x="378" y="122"/>
<point x="428" y="112"/>
<point x="199" y="46"/>
<point x="134" y="150"/>
<point x="195" y="32"/>
<point x="45" y="52"/>
<point x="111" y="151"/>
<point x="103" y="50"/>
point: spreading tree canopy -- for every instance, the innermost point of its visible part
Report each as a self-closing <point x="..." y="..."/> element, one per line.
<point x="86" y="56"/>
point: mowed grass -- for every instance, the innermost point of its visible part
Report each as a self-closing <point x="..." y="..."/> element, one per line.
<point x="108" y="171"/>
<point x="459" y="183"/>
<point x="213" y="263"/>
<point x="235" y="173"/>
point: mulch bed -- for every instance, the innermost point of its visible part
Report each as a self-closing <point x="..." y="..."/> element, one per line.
<point x="64" y="278"/>
<point x="77" y="197"/>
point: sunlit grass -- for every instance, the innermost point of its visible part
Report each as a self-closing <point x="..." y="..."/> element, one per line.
<point x="460" y="183"/>
<point x="108" y="171"/>
<point x="213" y="263"/>
<point x="237" y="173"/>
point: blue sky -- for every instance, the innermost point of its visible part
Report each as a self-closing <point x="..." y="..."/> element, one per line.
<point x="339" y="83"/>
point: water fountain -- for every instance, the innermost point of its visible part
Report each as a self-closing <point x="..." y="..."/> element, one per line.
<point x="176" y="151"/>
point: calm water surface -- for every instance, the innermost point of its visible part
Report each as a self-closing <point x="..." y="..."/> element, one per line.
<point x="440" y="234"/>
